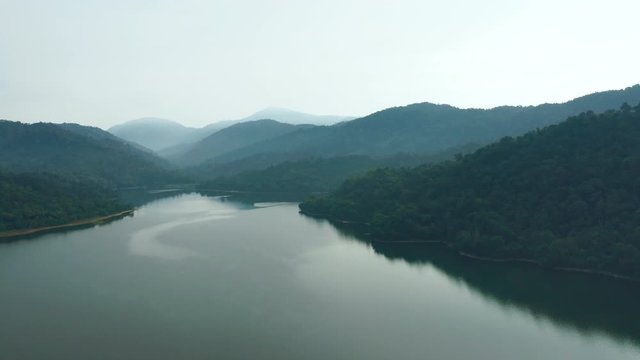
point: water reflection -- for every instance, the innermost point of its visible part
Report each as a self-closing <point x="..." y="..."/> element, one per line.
<point x="139" y="197"/>
<point x="587" y="303"/>
<point x="260" y="197"/>
<point x="162" y="240"/>
<point x="147" y="242"/>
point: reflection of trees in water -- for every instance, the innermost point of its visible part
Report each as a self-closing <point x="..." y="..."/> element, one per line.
<point x="587" y="303"/>
<point x="250" y="197"/>
<point x="242" y="201"/>
<point x="140" y="197"/>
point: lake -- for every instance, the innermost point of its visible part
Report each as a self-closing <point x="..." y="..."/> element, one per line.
<point x="197" y="277"/>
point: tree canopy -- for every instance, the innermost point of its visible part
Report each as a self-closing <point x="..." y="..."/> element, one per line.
<point x="564" y="196"/>
<point x="31" y="200"/>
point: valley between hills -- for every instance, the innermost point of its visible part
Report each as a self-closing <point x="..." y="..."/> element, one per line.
<point x="555" y="183"/>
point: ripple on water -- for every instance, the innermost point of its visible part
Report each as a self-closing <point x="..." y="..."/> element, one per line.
<point x="148" y="241"/>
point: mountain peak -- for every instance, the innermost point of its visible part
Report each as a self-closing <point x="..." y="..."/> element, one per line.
<point x="295" y="117"/>
<point x="148" y="121"/>
<point x="153" y="133"/>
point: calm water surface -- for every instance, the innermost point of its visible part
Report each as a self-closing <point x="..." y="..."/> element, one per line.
<point x="194" y="277"/>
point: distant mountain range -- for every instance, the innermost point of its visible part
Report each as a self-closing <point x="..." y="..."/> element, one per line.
<point x="296" y="117"/>
<point x="249" y="144"/>
<point x="232" y="138"/>
<point x="170" y="138"/>
<point x="423" y="128"/>
<point x="153" y="133"/>
<point x="426" y="127"/>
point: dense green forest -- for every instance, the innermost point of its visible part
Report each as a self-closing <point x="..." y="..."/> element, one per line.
<point x="564" y="196"/>
<point x="319" y="174"/>
<point x="32" y="200"/>
<point x="310" y="175"/>
<point x="74" y="149"/>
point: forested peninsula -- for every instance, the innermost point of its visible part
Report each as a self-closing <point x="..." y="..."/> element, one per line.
<point x="36" y="200"/>
<point x="564" y="196"/>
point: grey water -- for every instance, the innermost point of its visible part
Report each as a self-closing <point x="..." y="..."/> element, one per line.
<point x="197" y="277"/>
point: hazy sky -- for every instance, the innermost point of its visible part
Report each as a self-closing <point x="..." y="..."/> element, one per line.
<point x="105" y="62"/>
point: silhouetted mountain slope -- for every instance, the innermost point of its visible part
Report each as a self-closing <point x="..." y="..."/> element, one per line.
<point x="101" y="135"/>
<point x="295" y="117"/>
<point x="234" y="137"/>
<point x="152" y="133"/>
<point x="427" y="128"/>
<point x="564" y="196"/>
<point x="71" y="148"/>
<point x="171" y="139"/>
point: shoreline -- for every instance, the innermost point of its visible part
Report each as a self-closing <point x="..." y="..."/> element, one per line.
<point x="10" y="234"/>
<point x="511" y="260"/>
<point x="483" y="258"/>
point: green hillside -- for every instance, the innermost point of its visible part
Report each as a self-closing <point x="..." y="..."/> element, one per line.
<point x="564" y="196"/>
<point x="426" y="128"/>
<point x="31" y="200"/>
<point x="76" y="149"/>
<point x="232" y="138"/>
<point x="317" y="174"/>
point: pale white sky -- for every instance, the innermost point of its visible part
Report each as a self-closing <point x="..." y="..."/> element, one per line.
<point x="102" y="62"/>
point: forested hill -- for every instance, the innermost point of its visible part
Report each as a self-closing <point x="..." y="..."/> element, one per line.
<point x="152" y="133"/>
<point x="564" y="196"/>
<point x="33" y="200"/>
<point x="428" y="128"/>
<point x="234" y="137"/>
<point x="311" y="175"/>
<point x="76" y="149"/>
